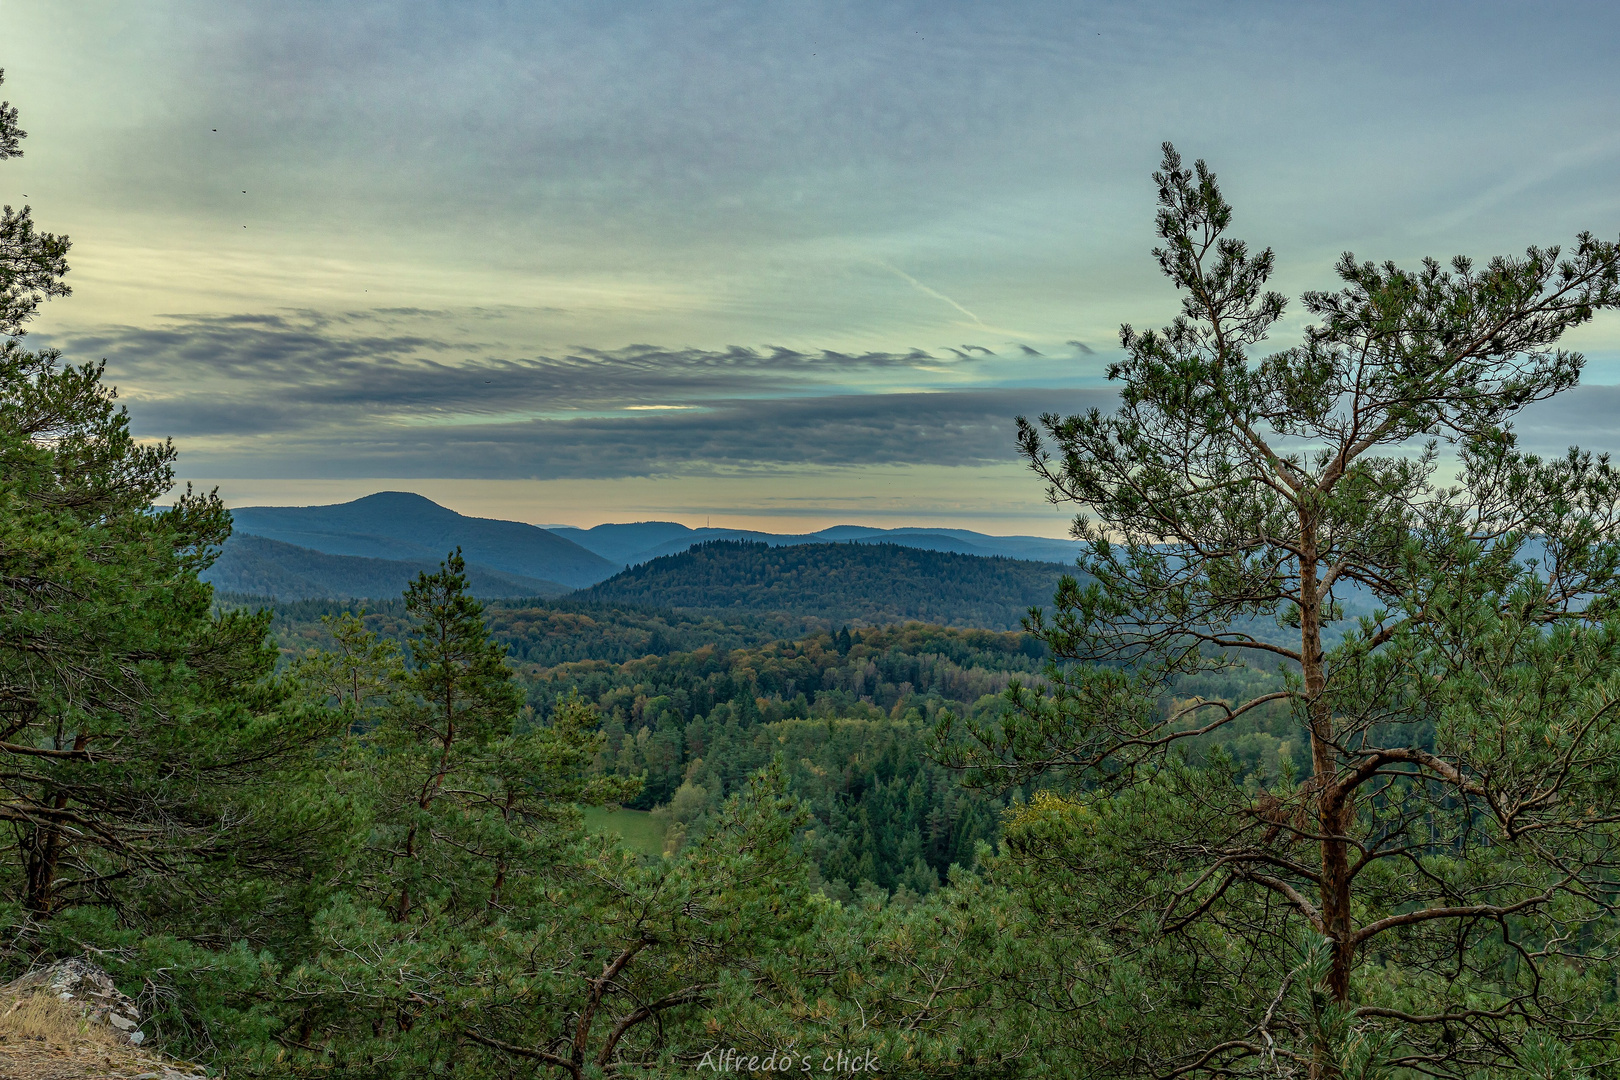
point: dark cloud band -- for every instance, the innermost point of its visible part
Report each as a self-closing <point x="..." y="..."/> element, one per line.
<point x="359" y="394"/>
<point x="304" y="364"/>
<point x="954" y="428"/>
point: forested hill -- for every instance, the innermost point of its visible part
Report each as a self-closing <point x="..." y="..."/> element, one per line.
<point x="256" y="566"/>
<point x="867" y="584"/>
<point x="399" y="525"/>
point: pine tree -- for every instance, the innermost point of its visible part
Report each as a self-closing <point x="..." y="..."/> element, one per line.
<point x="635" y="950"/>
<point x="159" y="786"/>
<point x="32" y="263"/>
<point x="473" y="812"/>
<point x="1435" y="883"/>
<point x="138" y="728"/>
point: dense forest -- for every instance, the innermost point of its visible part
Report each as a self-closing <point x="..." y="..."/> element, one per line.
<point x="850" y="712"/>
<point x="1202" y="817"/>
<point x="542" y="632"/>
<point x="842" y="583"/>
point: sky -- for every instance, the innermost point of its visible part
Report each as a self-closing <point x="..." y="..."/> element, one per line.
<point x="768" y="265"/>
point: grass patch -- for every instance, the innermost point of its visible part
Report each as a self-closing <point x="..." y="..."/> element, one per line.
<point x="39" y="1017"/>
<point x="639" y="830"/>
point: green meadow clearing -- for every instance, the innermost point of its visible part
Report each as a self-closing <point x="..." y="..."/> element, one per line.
<point x="639" y="830"/>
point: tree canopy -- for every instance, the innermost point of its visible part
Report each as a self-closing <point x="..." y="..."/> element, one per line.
<point x="1429" y="889"/>
<point x="32" y="263"/>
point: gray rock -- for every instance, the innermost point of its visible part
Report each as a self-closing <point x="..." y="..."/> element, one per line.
<point x="90" y="989"/>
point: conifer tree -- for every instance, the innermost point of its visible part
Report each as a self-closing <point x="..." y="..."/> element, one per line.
<point x="1432" y="888"/>
<point x="637" y="950"/>
<point x="471" y="809"/>
<point x="32" y="263"/>
<point x="161" y="806"/>
<point x="139" y="731"/>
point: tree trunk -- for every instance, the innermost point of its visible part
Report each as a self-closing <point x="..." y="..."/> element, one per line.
<point x="403" y="912"/>
<point x="1331" y="804"/>
<point x="44" y="853"/>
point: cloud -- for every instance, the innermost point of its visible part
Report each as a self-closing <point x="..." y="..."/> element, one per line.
<point x="367" y="394"/>
<point x="970" y="427"/>
<point x="1584" y="417"/>
<point x="303" y="369"/>
<point x="380" y="393"/>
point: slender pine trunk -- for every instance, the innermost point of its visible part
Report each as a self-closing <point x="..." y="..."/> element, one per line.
<point x="45" y="854"/>
<point x="1331" y="804"/>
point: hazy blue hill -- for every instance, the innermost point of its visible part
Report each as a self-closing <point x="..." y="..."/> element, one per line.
<point x="857" y="583"/>
<point x="400" y="525"/>
<point x="406" y="527"/>
<point x="1036" y="548"/>
<point x="624" y="544"/>
<point x="939" y="540"/>
<point x="642" y="541"/>
<point x="259" y="566"/>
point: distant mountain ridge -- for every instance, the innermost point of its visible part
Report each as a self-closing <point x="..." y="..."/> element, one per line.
<point x="408" y="532"/>
<point x="854" y="583"/>
<point x="642" y="541"/>
<point x="371" y="547"/>
<point x="402" y="526"/>
<point x="258" y="566"/>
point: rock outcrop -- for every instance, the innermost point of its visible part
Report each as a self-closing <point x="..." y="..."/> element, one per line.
<point x="89" y="991"/>
<point x="69" y="1021"/>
